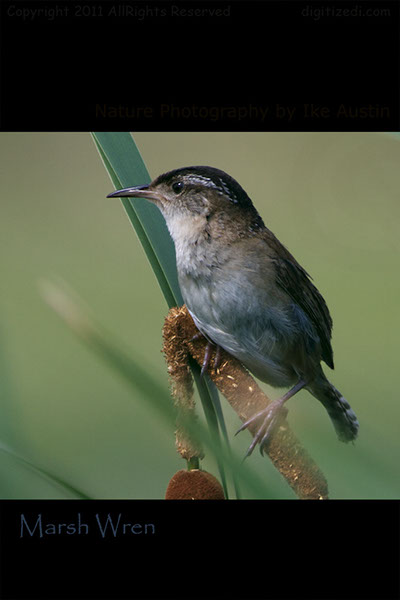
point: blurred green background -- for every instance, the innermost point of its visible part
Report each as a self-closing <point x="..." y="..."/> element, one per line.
<point x="331" y="198"/>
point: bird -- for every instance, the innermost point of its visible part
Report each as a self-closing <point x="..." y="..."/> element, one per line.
<point x="247" y="293"/>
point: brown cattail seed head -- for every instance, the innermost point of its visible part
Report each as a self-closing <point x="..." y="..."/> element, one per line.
<point x="194" y="485"/>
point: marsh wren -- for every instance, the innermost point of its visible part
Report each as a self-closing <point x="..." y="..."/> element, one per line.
<point x="246" y="293"/>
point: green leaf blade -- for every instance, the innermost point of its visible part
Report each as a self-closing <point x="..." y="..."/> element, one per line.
<point x="126" y="168"/>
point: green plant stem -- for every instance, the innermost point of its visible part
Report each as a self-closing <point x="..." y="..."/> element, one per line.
<point x="193" y="463"/>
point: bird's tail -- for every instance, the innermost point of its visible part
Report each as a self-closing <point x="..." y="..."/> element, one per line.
<point x="342" y="416"/>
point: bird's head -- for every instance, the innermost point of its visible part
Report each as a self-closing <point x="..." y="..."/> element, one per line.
<point x="199" y="190"/>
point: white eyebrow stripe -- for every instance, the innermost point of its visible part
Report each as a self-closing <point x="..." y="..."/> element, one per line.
<point x="200" y="179"/>
<point x="206" y="181"/>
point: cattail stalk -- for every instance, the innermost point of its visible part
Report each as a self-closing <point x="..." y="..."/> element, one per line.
<point x="245" y="397"/>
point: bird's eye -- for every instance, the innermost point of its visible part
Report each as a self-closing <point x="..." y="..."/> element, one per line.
<point x="177" y="187"/>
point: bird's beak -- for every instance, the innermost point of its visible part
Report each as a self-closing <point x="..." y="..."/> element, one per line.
<point x="138" y="191"/>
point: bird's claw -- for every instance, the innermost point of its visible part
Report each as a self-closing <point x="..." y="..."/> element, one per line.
<point x="207" y="357"/>
<point x="272" y="415"/>
<point x="197" y="336"/>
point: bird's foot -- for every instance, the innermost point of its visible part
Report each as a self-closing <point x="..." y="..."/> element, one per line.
<point x="274" y="412"/>
<point x="208" y="353"/>
<point x="207" y="357"/>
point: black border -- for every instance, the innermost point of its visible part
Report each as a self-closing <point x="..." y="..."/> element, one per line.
<point x="206" y="549"/>
<point x="200" y="73"/>
<point x="54" y="72"/>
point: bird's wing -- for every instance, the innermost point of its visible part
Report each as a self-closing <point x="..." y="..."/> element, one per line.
<point x="296" y="282"/>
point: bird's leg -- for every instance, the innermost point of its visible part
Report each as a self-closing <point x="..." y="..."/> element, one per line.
<point x="208" y="352"/>
<point x="217" y="359"/>
<point x="207" y="356"/>
<point x="271" y="416"/>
